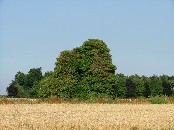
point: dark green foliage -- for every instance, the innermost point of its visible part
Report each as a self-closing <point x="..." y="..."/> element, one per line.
<point x="33" y="91"/>
<point x="25" y="85"/>
<point x="22" y="93"/>
<point x="34" y="75"/>
<point x="172" y="86"/>
<point x="171" y="80"/>
<point x="83" y="72"/>
<point x="130" y="86"/>
<point x="48" y="73"/>
<point x="121" y="86"/>
<point x="146" y="89"/>
<point x="146" y="86"/>
<point x="139" y="85"/>
<point x="155" y="86"/>
<point x="131" y="90"/>
<point x="167" y="86"/>
<point x="20" y="78"/>
<point x="12" y="90"/>
<point x="87" y="72"/>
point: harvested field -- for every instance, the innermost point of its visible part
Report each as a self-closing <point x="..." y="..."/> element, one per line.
<point x="86" y="116"/>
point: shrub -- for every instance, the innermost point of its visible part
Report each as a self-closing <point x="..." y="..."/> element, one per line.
<point x="158" y="100"/>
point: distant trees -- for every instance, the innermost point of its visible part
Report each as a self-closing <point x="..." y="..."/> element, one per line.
<point x="121" y="88"/>
<point x="139" y="86"/>
<point x="87" y="72"/>
<point x="155" y="86"/>
<point x="12" y="90"/>
<point x="166" y="84"/>
<point x="136" y="86"/>
<point x="25" y="85"/>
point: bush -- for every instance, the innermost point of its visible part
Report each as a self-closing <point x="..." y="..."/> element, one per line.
<point x="158" y="100"/>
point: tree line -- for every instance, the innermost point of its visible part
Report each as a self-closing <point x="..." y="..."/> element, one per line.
<point x="87" y="72"/>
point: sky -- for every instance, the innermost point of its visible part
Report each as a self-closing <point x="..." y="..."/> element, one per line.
<point x="139" y="33"/>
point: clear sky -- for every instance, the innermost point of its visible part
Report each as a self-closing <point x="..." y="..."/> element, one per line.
<point x="140" y="34"/>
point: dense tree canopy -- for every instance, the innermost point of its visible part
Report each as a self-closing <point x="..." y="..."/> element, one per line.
<point x="25" y="85"/>
<point x="84" y="72"/>
<point x="87" y="72"/>
<point x="12" y="90"/>
<point x="121" y="88"/>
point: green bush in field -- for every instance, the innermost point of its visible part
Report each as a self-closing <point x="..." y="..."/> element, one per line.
<point x="158" y="100"/>
<point x="84" y="72"/>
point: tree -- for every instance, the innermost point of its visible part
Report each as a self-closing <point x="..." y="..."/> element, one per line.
<point x="22" y="92"/>
<point x="171" y="80"/>
<point x="121" y="86"/>
<point x="130" y="84"/>
<point x="20" y="78"/>
<point x="34" y="75"/>
<point x="155" y="86"/>
<point x="147" y="92"/>
<point x="12" y="90"/>
<point x="167" y="87"/>
<point x="139" y="85"/>
<point x="25" y="85"/>
<point x="48" y="73"/>
<point x="84" y="72"/>
<point x="48" y="87"/>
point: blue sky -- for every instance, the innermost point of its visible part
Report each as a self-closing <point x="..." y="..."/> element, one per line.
<point x="140" y="34"/>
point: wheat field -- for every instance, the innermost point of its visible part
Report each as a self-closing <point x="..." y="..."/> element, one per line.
<point x="86" y="116"/>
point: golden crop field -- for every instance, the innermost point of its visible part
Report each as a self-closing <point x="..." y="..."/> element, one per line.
<point x="67" y="116"/>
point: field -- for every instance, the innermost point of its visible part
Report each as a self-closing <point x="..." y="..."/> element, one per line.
<point x="68" y="116"/>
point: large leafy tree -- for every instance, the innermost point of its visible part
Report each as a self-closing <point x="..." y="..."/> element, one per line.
<point x="84" y="72"/>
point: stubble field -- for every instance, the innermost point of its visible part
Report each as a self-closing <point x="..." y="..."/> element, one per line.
<point x="67" y="116"/>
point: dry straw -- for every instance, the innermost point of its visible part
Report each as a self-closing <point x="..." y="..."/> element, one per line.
<point x="67" y="116"/>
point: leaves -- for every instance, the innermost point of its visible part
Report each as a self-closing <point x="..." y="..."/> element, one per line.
<point x="84" y="71"/>
<point x="87" y="72"/>
<point x="25" y="85"/>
